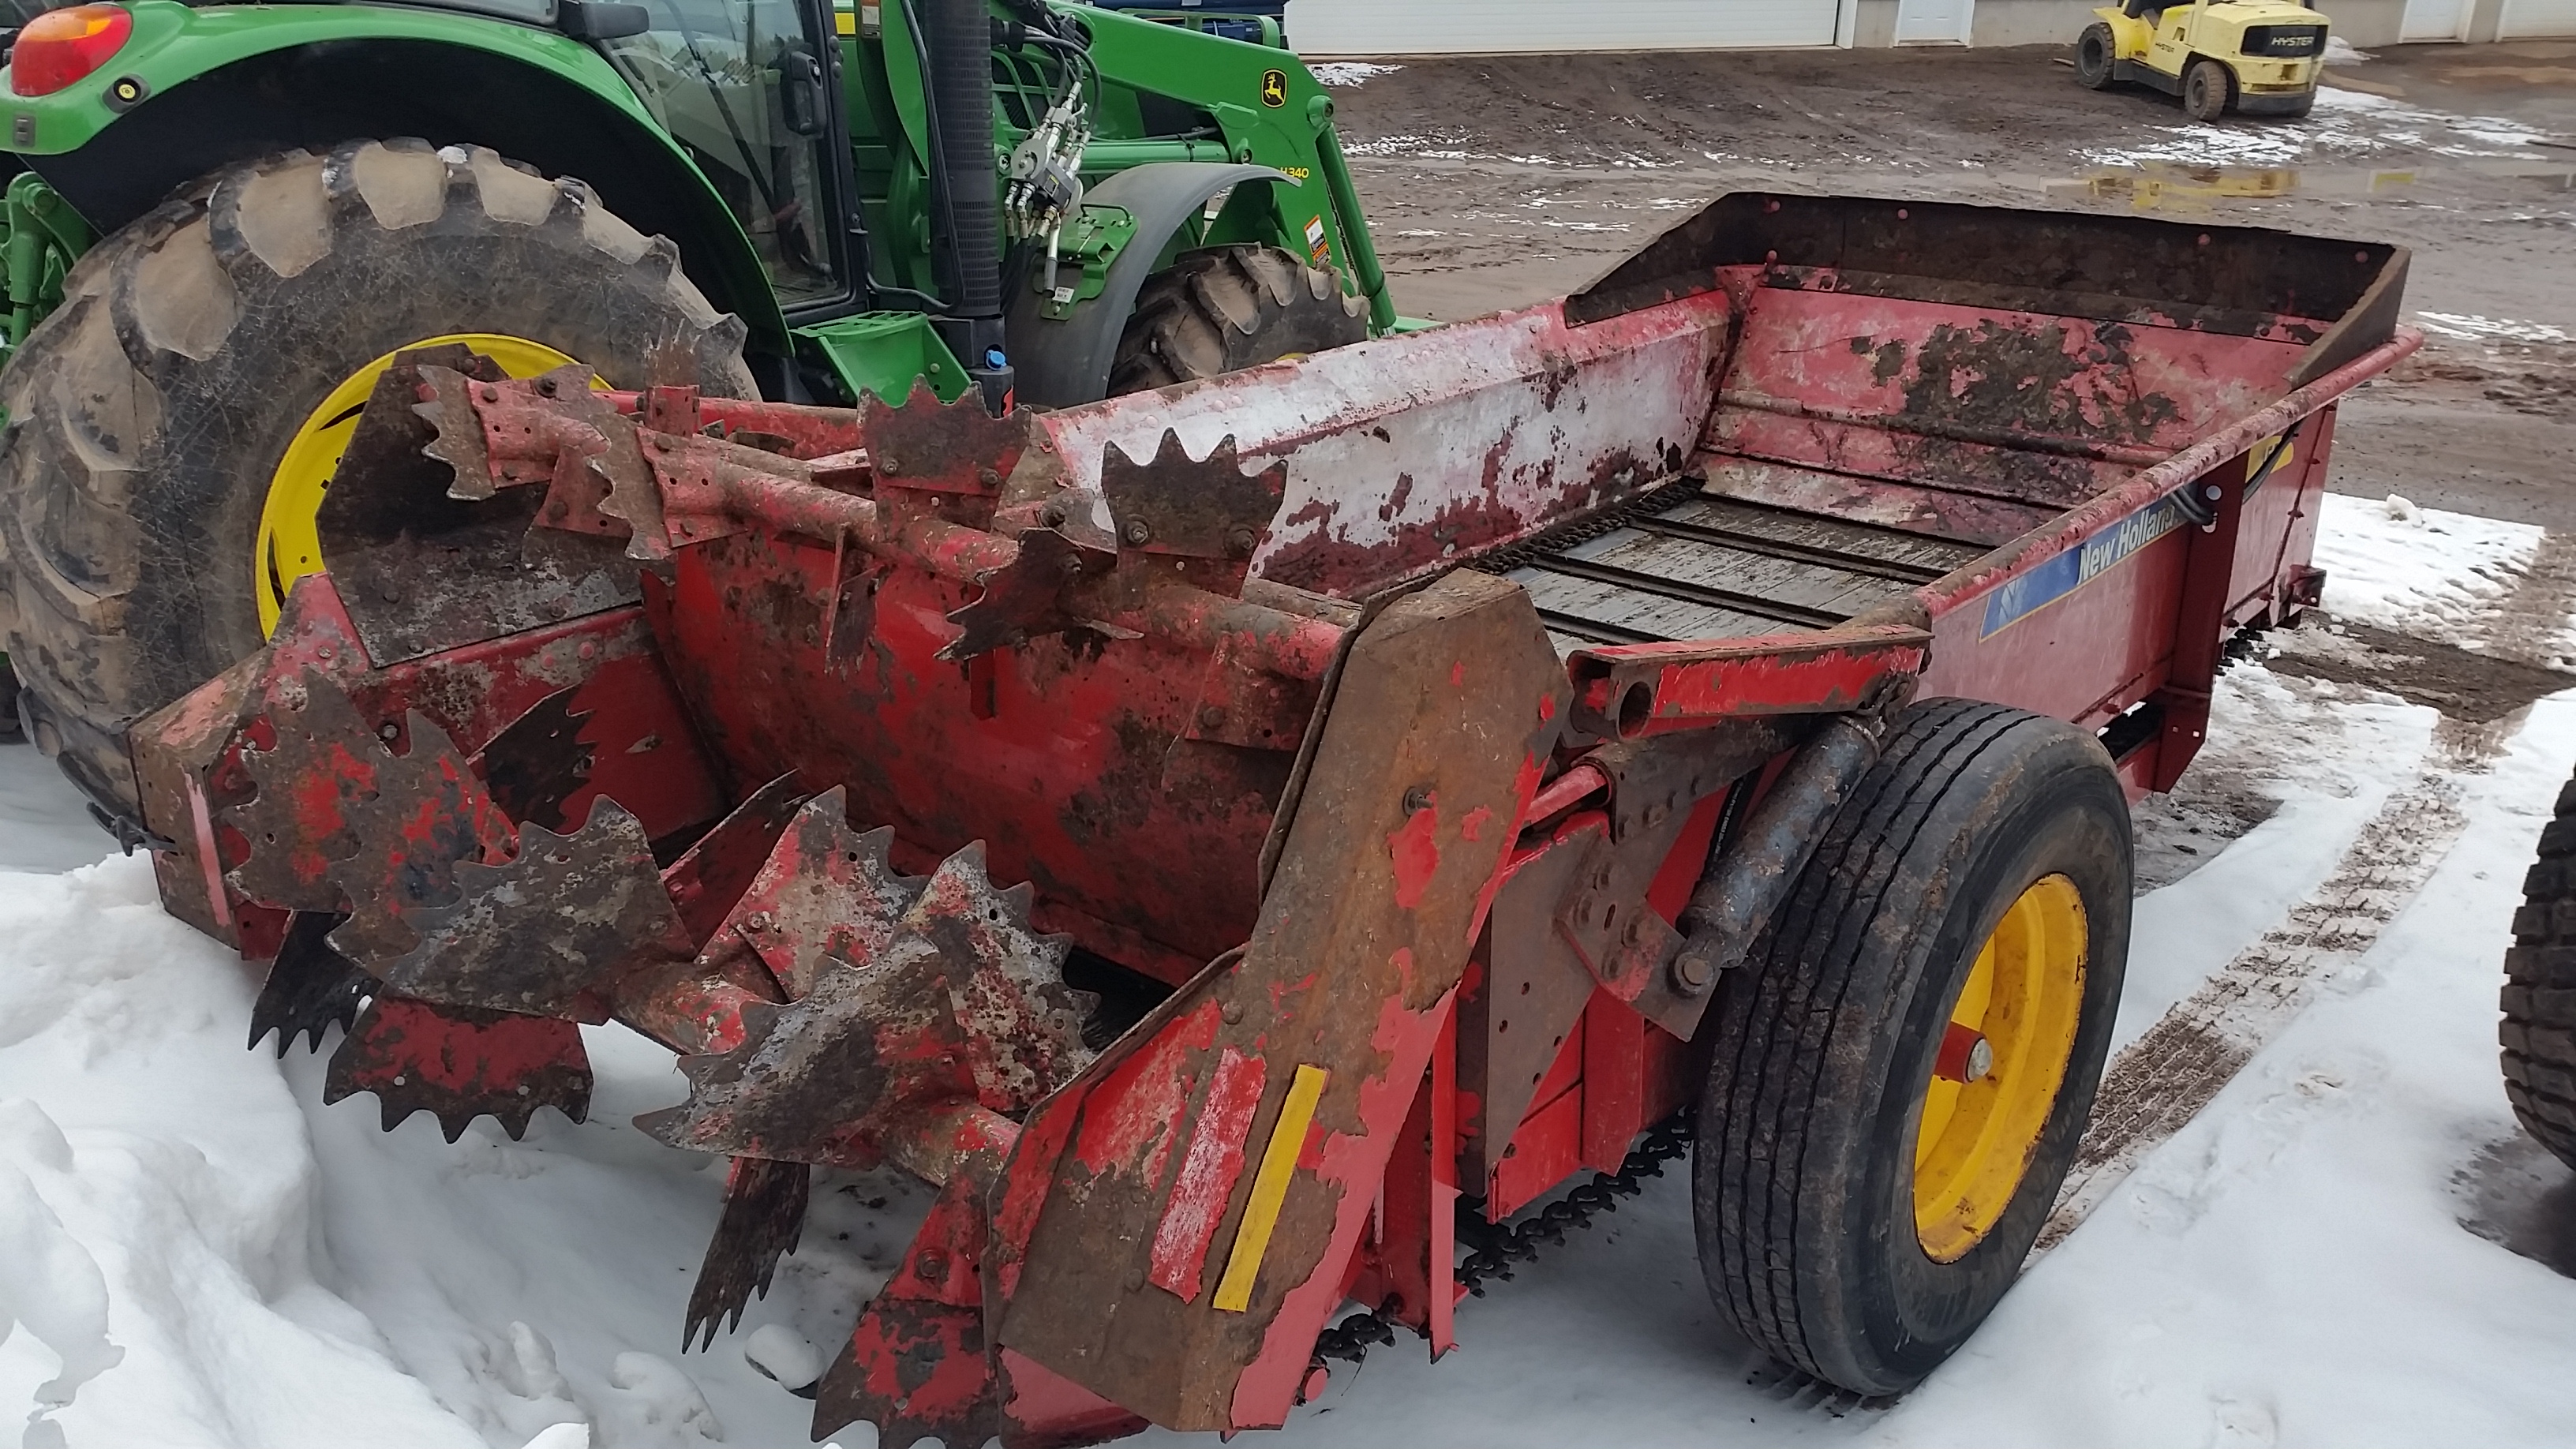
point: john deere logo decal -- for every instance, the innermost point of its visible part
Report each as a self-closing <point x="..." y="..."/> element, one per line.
<point x="1274" y="87"/>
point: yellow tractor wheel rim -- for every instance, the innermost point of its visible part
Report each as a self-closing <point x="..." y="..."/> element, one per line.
<point x="289" y="546"/>
<point x="1984" y="1110"/>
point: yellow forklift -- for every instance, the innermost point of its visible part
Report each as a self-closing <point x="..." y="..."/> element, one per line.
<point x="2254" y="57"/>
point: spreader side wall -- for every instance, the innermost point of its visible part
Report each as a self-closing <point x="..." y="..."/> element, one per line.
<point x="2084" y="627"/>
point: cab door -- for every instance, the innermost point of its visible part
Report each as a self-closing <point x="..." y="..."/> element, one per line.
<point x="747" y="88"/>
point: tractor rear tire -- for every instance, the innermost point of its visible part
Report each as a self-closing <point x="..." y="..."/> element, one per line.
<point x="2208" y="89"/>
<point x="149" y="414"/>
<point x="1226" y="308"/>
<point x="1827" y="1040"/>
<point x="2538" y="1032"/>
<point x="2095" y="49"/>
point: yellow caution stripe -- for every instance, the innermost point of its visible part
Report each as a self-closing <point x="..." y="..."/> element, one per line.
<point x="1270" y="1188"/>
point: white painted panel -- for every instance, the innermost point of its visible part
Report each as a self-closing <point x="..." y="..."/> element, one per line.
<point x="1488" y="27"/>
<point x="1918" y="21"/>
<point x="2434" y="20"/>
<point x="2523" y="19"/>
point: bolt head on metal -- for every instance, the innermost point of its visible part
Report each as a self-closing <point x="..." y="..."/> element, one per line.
<point x="1981" y="1060"/>
<point x="1239" y="542"/>
<point x="1691" y="972"/>
<point x="1136" y="531"/>
<point x="1417" y="799"/>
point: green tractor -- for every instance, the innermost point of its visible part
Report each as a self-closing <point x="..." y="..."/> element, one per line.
<point x="224" y="220"/>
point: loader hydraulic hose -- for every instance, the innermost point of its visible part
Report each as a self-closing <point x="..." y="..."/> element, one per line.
<point x="1748" y="877"/>
<point x="961" y="108"/>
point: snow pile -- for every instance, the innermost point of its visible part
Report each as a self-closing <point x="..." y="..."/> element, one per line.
<point x="157" y="1177"/>
<point x="2471" y="327"/>
<point x="2392" y="565"/>
<point x="1349" y="72"/>
<point x="2346" y="125"/>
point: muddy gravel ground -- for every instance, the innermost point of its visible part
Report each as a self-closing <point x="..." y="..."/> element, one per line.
<point x="1496" y="182"/>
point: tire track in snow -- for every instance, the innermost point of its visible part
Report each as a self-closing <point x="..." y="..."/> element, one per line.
<point x="2162" y="1080"/>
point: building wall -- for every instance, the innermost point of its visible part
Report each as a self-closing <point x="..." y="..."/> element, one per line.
<point x="1325" y="28"/>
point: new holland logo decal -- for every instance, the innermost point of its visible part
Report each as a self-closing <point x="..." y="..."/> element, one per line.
<point x="2062" y="575"/>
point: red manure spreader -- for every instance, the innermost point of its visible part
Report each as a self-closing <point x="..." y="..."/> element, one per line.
<point x="1270" y="849"/>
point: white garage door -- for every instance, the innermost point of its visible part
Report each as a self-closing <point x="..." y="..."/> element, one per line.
<point x="1486" y="27"/>
<point x="2522" y="19"/>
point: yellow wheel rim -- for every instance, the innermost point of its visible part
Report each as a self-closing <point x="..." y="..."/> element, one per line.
<point x="1984" y="1108"/>
<point x="288" y="546"/>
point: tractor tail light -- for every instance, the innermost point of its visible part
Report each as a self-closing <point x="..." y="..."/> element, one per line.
<point x="61" y="46"/>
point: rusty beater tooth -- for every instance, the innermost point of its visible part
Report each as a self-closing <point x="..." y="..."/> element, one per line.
<point x="809" y="1082"/>
<point x="550" y="932"/>
<point x="459" y="442"/>
<point x="824" y="890"/>
<point x="310" y="987"/>
<point x="457" y="1064"/>
<point x="764" y="1214"/>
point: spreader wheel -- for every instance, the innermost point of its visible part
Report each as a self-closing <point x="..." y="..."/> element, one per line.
<point x="1904" y="1066"/>
<point x="2539" y="1028"/>
<point x="173" y="424"/>
<point x="1226" y="308"/>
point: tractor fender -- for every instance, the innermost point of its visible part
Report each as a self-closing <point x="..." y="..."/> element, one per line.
<point x="1061" y="363"/>
<point x="228" y="84"/>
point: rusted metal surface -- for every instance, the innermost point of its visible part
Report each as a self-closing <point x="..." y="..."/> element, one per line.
<point x="340" y="822"/>
<point x="1390" y="477"/>
<point x="961" y="1002"/>
<point x="1749" y="879"/>
<point x="456" y="1064"/>
<point x="550" y="931"/>
<point x="764" y="1213"/>
<point x="310" y="986"/>
<point x="424" y="562"/>
<point x="1432" y="748"/>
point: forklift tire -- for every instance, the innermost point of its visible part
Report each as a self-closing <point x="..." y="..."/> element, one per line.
<point x="2094" y="52"/>
<point x="1949" y="962"/>
<point x="2538" y="1032"/>
<point x="2304" y="105"/>
<point x="187" y="376"/>
<point x="2208" y="89"/>
<point x="1226" y="308"/>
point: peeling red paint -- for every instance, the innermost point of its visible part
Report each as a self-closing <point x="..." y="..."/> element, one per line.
<point x="1416" y="848"/>
<point x="1209" y="1168"/>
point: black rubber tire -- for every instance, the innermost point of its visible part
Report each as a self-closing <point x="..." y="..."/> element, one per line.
<point x="2306" y="104"/>
<point x="1225" y="308"/>
<point x="148" y="413"/>
<point x="2538" y="1032"/>
<point x="1802" y="1176"/>
<point x="2208" y="89"/>
<point x="2094" y="51"/>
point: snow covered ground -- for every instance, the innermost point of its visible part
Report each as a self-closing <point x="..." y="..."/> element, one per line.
<point x="194" y="1251"/>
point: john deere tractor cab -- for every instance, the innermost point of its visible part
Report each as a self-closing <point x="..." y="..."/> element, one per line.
<point x="2254" y="57"/>
<point x="224" y="221"/>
